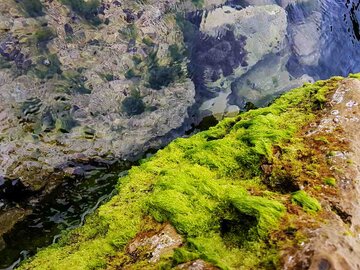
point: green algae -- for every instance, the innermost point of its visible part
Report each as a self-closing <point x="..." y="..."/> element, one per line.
<point x="330" y="181"/>
<point x="307" y="202"/>
<point x="133" y="105"/>
<point x="204" y="187"/>
<point x="48" y="67"/>
<point x="160" y="75"/>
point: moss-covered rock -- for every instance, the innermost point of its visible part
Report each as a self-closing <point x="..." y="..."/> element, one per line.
<point x="211" y="188"/>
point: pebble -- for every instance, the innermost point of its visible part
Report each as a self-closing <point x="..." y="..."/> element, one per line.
<point x="351" y="104"/>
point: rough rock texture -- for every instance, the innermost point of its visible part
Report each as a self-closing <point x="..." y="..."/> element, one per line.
<point x="263" y="26"/>
<point x="46" y="123"/>
<point x="336" y="244"/>
<point x="196" y="265"/>
<point x="156" y="243"/>
<point x="267" y="79"/>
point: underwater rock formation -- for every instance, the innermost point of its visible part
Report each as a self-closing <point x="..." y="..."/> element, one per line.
<point x="253" y="33"/>
<point x="262" y="190"/>
<point x="68" y="71"/>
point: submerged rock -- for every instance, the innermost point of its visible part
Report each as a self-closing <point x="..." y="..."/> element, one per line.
<point x="56" y="101"/>
<point x="260" y="31"/>
<point x="8" y="219"/>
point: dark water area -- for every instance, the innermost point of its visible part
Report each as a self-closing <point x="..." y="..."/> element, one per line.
<point x="64" y="209"/>
<point x="333" y="28"/>
<point x="68" y="206"/>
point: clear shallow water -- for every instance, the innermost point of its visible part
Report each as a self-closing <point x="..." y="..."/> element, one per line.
<point x="66" y="208"/>
<point x="339" y="36"/>
<point x="323" y="40"/>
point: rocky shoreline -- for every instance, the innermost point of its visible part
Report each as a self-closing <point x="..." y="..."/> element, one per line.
<point x="105" y="81"/>
<point x="263" y="190"/>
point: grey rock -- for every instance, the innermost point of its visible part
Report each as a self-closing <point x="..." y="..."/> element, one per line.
<point x="263" y="29"/>
<point x="55" y="105"/>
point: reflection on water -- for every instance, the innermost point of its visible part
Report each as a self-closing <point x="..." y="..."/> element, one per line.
<point x="336" y="36"/>
<point x="339" y="40"/>
<point x="353" y="7"/>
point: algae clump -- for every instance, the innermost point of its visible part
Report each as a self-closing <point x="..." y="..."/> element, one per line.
<point x="307" y="202"/>
<point x="330" y="181"/>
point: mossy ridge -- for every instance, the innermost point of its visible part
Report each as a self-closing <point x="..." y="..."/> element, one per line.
<point x="303" y="161"/>
<point x="199" y="184"/>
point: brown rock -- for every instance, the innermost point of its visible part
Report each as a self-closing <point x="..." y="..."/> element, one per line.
<point x="336" y="244"/>
<point x="197" y="265"/>
<point x="155" y="244"/>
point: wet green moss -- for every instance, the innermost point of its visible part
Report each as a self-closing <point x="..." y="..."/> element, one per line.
<point x="355" y="76"/>
<point x="330" y="181"/>
<point x="306" y="201"/>
<point x="210" y="187"/>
